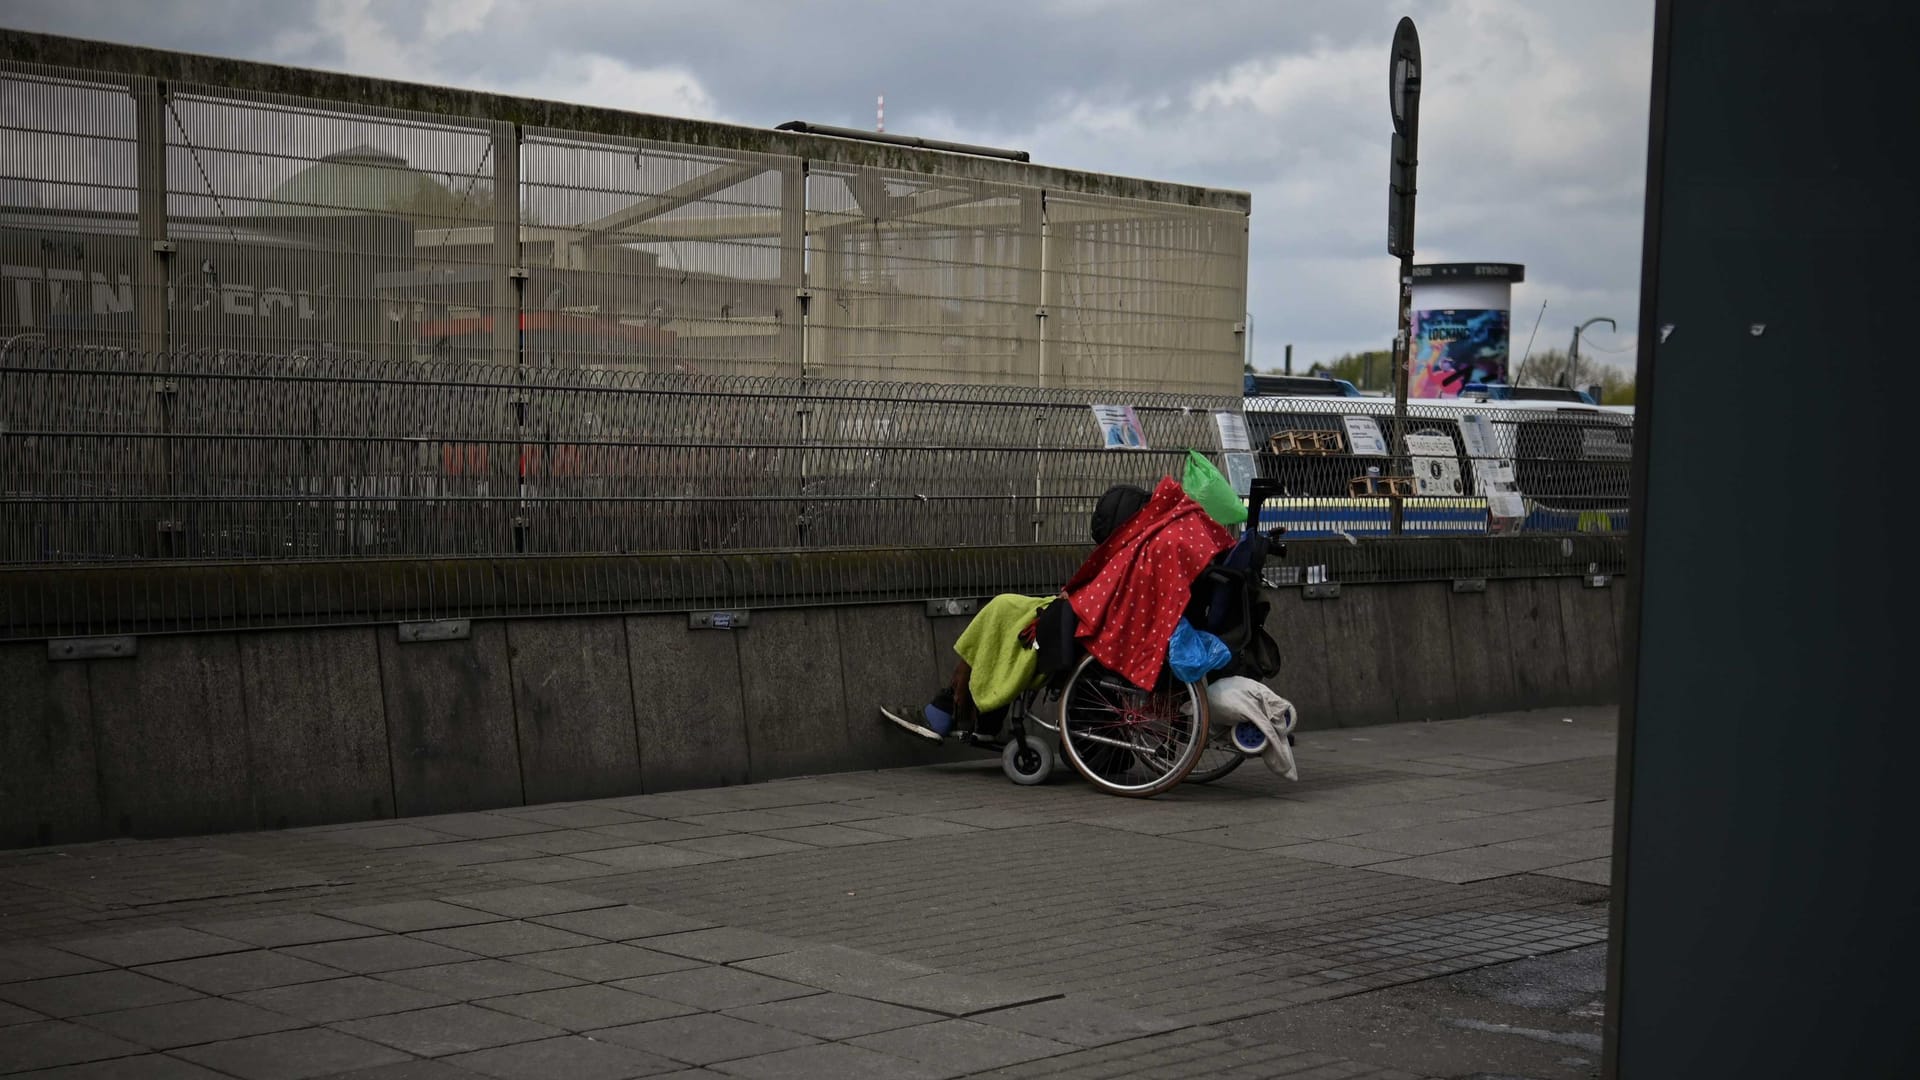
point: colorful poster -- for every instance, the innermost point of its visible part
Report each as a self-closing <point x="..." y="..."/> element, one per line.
<point x="1456" y="346"/>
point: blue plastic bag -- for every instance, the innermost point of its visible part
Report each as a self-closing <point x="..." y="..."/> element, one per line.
<point x="1193" y="653"/>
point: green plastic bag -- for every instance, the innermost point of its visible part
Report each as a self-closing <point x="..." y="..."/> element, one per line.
<point x="1205" y="485"/>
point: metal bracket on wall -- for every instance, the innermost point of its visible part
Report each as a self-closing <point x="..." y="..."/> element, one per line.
<point x="1597" y="581"/>
<point x="438" y="630"/>
<point x="1471" y="584"/>
<point x="717" y="620"/>
<point x="92" y="648"/>
<point x="952" y="605"/>
<point x="1325" y="590"/>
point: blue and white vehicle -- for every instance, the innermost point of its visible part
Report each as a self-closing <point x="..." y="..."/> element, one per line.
<point x="1464" y="467"/>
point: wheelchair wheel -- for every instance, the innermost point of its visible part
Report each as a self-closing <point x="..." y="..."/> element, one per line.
<point x="1126" y="741"/>
<point x="1217" y="759"/>
<point x="1029" y="764"/>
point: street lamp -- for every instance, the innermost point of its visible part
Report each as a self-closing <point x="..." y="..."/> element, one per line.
<point x="1573" y="354"/>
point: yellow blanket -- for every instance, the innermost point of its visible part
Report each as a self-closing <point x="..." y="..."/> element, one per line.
<point x="1003" y="666"/>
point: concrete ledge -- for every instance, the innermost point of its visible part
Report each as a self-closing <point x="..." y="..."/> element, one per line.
<point x="209" y="732"/>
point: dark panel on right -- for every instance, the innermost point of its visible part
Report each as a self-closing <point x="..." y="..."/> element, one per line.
<point x="1764" y="920"/>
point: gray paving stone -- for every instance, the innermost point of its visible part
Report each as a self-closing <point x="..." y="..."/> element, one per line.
<point x="1333" y="854"/>
<point x="583" y="816"/>
<point x="473" y="852"/>
<point x="704" y="1038"/>
<point x="584" y="1008"/>
<point x="1593" y="872"/>
<point x="570" y="1057"/>
<point x="93" y="992"/>
<point x="550" y="868"/>
<point x="723" y="945"/>
<point x="234" y="973"/>
<point x="835" y="967"/>
<point x="829" y="835"/>
<point x="607" y="962"/>
<point x="716" y="988"/>
<point x="833" y="1016"/>
<point x="648" y="857"/>
<point x="915" y="827"/>
<point x="185" y="1023"/>
<point x="745" y="821"/>
<point x="447" y="1029"/>
<point x="830" y="1061"/>
<point x="291" y="1055"/>
<point x="14" y="1014"/>
<point x="739" y="846"/>
<point x="414" y="1069"/>
<point x="18" y="963"/>
<point x="1078" y="1020"/>
<point x="658" y="832"/>
<point x="528" y="901"/>
<point x="56" y="1042"/>
<point x="381" y="837"/>
<point x="962" y="1046"/>
<point x="624" y="923"/>
<point x="343" y="999"/>
<point x="138" y="1067"/>
<point x="153" y="946"/>
<point x="956" y="995"/>
<point x="1447" y="867"/>
<point x="407" y="916"/>
<point x="297" y="928"/>
<point x="569" y="842"/>
<point x="481" y="826"/>
<point x="367" y="956"/>
<point x="479" y="979"/>
<point x="505" y="938"/>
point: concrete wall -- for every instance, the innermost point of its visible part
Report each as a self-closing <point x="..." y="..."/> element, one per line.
<point x="269" y="729"/>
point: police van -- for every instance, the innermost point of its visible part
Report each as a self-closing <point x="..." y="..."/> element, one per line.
<point x="1462" y="466"/>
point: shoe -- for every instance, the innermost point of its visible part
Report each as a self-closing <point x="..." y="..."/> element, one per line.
<point x="908" y="725"/>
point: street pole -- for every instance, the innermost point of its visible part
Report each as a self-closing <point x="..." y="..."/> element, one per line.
<point x="1573" y="354"/>
<point x="1403" y="101"/>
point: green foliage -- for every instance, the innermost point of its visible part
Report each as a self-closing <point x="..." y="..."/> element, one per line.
<point x="1366" y="370"/>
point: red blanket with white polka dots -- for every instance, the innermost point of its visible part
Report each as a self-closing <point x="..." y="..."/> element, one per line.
<point x="1131" y="591"/>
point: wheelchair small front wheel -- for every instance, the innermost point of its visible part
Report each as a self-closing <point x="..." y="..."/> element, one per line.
<point x="1027" y="763"/>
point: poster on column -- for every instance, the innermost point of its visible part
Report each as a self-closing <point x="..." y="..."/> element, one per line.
<point x="1456" y="346"/>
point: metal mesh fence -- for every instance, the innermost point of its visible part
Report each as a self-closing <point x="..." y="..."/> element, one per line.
<point x="173" y="215"/>
<point x="229" y="456"/>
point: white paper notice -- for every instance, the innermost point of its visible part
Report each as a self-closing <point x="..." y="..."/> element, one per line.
<point x="1436" y="469"/>
<point x="1119" y="427"/>
<point x="1240" y="472"/>
<point x="1233" y="431"/>
<point x="1363" y="435"/>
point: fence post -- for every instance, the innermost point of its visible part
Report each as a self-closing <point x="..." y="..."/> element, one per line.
<point x="793" y="268"/>
<point x="508" y="286"/>
<point x="150" y="178"/>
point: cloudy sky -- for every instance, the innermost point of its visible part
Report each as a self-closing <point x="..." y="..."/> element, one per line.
<point x="1533" y="119"/>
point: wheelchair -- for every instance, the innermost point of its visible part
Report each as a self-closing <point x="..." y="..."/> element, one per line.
<point x="1139" y="743"/>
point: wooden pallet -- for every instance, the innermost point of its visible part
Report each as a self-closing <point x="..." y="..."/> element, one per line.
<point x="1361" y="487"/>
<point x="1311" y="442"/>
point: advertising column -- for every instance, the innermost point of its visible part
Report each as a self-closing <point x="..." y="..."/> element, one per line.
<point x="1460" y="326"/>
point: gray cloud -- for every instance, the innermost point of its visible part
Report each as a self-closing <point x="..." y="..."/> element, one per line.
<point x="1534" y="117"/>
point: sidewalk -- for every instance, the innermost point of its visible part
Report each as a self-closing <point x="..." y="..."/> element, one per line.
<point x="1428" y="900"/>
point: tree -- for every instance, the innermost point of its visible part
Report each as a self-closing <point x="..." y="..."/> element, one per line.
<point x="1549" y="368"/>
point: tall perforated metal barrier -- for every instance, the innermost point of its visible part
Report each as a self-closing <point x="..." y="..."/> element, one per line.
<point x="1764" y="911"/>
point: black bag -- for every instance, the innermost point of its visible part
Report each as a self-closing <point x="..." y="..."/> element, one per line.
<point x="1054" y="632"/>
